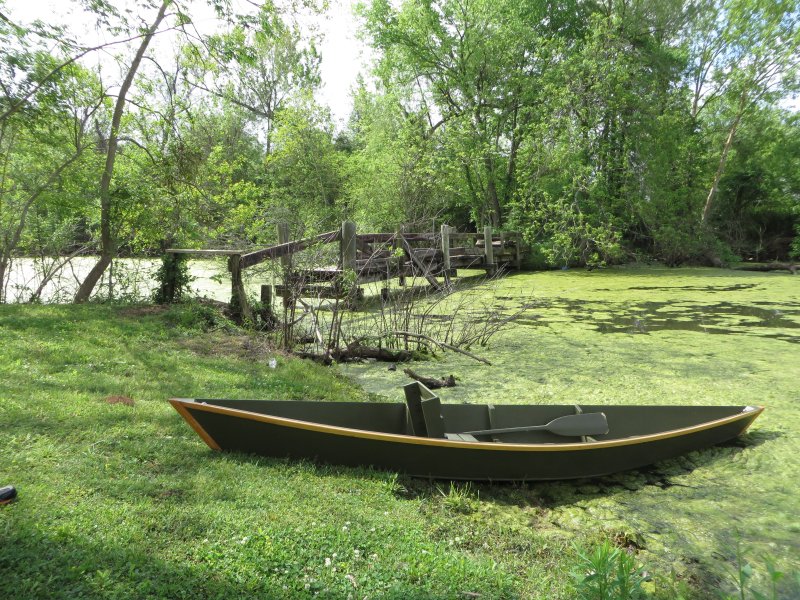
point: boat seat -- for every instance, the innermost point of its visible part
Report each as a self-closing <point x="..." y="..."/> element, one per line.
<point x="461" y="437"/>
<point x="424" y="411"/>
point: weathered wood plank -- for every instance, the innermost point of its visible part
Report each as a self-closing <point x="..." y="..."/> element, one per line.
<point x="488" y="247"/>
<point x="280" y="250"/>
<point x="446" y="246"/>
<point x="419" y="265"/>
<point x="465" y="262"/>
<point x="388" y="237"/>
<point x="193" y="252"/>
<point x="427" y="253"/>
<point x="466" y="251"/>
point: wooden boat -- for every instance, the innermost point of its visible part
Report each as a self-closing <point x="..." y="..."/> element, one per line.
<point x="465" y="441"/>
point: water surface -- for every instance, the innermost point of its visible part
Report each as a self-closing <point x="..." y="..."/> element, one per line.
<point x="651" y="336"/>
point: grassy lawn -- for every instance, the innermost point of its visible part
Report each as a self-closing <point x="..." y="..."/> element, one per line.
<point x="119" y="501"/>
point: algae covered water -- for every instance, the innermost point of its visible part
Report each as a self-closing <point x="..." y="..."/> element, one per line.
<point x="650" y="336"/>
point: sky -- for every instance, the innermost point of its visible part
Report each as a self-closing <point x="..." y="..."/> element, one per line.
<point x="343" y="55"/>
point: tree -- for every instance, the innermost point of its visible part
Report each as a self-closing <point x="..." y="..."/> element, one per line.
<point x="107" y="240"/>
<point x="749" y="54"/>
<point x="397" y="172"/>
<point x="258" y="67"/>
<point x="470" y="65"/>
<point x="43" y="131"/>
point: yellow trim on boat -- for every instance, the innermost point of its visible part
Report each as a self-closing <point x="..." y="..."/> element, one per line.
<point x="180" y="406"/>
<point x="410" y="439"/>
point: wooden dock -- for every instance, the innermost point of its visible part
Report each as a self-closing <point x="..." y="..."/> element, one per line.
<point x="368" y="257"/>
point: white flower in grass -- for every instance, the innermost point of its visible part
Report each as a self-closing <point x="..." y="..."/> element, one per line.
<point x="327" y="562"/>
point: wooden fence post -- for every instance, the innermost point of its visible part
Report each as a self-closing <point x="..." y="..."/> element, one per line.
<point x="348" y="246"/>
<point x="267" y="316"/>
<point x="397" y="244"/>
<point x="239" y="305"/>
<point x="446" y="247"/>
<point x="286" y="263"/>
<point x="518" y="252"/>
<point x="347" y="250"/>
<point x="488" y="250"/>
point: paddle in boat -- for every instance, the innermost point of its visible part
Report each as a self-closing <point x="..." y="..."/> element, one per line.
<point x="426" y="438"/>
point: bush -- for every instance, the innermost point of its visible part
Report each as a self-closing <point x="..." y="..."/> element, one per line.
<point x="195" y="316"/>
<point x="173" y="279"/>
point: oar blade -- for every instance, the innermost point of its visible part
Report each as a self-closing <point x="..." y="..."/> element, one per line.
<point x="581" y="424"/>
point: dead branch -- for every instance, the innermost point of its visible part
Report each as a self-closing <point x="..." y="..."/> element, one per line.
<point x="421" y="336"/>
<point x="430" y="382"/>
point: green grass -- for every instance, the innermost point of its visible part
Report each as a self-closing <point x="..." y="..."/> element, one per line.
<point x="121" y="501"/>
<point x="126" y="502"/>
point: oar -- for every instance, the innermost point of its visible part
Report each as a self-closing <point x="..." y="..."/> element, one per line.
<point x="569" y="425"/>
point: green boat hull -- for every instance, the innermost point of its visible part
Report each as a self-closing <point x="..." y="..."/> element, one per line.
<point x="380" y="436"/>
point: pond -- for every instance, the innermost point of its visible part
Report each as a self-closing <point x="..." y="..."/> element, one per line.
<point x="132" y="279"/>
<point x="650" y="336"/>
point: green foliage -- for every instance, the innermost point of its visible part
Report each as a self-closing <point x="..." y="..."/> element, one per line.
<point x="304" y="171"/>
<point x="196" y="316"/>
<point x="394" y="174"/>
<point x="745" y="575"/>
<point x="460" y="498"/>
<point x="565" y="234"/>
<point x="172" y="279"/>
<point x="608" y="573"/>
<point x="602" y="131"/>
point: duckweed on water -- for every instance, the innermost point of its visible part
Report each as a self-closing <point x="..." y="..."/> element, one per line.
<point x="653" y="336"/>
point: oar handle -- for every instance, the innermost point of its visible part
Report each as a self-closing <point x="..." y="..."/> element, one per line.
<point x="568" y="425"/>
<point x="507" y="430"/>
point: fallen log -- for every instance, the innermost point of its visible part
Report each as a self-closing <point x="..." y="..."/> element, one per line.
<point x="358" y="353"/>
<point x="774" y="266"/>
<point x="431" y="382"/>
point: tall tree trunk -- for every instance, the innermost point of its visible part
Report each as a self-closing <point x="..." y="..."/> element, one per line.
<point x="492" y="200"/>
<point x="712" y="193"/>
<point x="4" y="265"/>
<point x="107" y="241"/>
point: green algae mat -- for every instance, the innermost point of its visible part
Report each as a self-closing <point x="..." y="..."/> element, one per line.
<point x="653" y="336"/>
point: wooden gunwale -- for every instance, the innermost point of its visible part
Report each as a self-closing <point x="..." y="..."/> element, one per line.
<point x="183" y="411"/>
<point x="409" y="439"/>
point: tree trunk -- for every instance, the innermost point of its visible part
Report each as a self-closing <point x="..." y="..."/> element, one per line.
<point x="492" y="201"/>
<point x="712" y="193"/>
<point x="3" y="267"/>
<point x="107" y="241"/>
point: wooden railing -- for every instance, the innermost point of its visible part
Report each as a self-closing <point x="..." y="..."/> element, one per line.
<point x="372" y="256"/>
